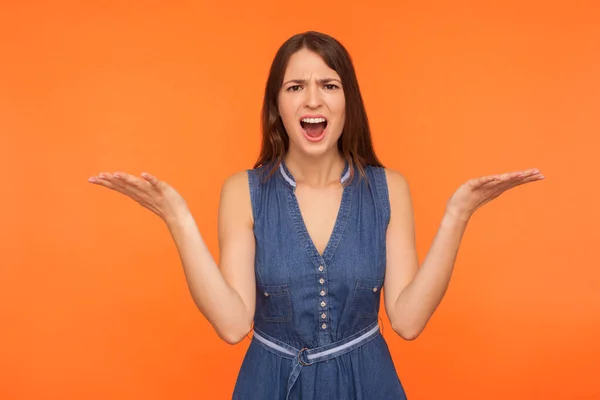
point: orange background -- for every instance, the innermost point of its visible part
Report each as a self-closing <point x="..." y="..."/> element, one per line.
<point x="93" y="300"/>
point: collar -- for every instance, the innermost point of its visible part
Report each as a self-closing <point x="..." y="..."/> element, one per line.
<point x="289" y="178"/>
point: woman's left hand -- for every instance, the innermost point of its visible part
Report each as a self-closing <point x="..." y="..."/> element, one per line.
<point x="476" y="192"/>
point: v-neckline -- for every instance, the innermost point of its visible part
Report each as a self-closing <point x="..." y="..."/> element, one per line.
<point x="300" y="224"/>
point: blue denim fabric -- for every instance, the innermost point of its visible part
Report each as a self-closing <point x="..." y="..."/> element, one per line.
<point x="305" y="300"/>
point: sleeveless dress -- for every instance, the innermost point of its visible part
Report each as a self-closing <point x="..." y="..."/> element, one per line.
<point x="316" y="333"/>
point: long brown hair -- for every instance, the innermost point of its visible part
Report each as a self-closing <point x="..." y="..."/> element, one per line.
<point x="355" y="143"/>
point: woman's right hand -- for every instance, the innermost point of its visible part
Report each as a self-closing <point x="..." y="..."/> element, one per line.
<point x="150" y="192"/>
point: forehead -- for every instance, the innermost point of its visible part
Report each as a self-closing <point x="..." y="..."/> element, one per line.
<point x="305" y="63"/>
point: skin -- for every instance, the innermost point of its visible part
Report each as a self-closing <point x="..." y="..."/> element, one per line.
<point x="225" y="293"/>
<point x="310" y="87"/>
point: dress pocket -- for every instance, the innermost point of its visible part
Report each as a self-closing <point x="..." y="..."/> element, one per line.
<point x="273" y="303"/>
<point x="365" y="303"/>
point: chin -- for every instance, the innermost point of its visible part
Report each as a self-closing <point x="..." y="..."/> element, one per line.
<point x="314" y="148"/>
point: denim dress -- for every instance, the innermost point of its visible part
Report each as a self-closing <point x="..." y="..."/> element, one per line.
<point x="316" y="332"/>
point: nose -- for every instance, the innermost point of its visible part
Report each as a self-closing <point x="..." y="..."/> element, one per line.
<point x="313" y="97"/>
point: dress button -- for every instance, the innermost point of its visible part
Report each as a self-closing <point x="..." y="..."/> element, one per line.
<point x="321" y="268"/>
<point x="322" y="293"/>
<point x="324" y="326"/>
<point x="266" y="294"/>
<point x="323" y="304"/>
<point x="374" y="289"/>
<point x="321" y="281"/>
<point x="323" y="315"/>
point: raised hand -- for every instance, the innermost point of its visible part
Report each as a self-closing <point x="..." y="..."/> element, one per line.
<point x="150" y="192"/>
<point x="476" y="192"/>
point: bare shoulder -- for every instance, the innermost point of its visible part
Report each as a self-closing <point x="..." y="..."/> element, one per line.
<point x="238" y="181"/>
<point x="395" y="177"/>
<point x="398" y="187"/>
<point x="235" y="196"/>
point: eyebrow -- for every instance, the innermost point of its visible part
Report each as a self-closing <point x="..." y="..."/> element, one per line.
<point x="320" y="81"/>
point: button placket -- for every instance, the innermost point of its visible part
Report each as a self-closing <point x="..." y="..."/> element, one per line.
<point x="322" y="299"/>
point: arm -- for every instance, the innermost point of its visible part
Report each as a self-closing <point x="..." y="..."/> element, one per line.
<point x="412" y="294"/>
<point x="224" y="293"/>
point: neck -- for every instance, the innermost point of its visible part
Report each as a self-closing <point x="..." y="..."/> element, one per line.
<point x="318" y="171"/>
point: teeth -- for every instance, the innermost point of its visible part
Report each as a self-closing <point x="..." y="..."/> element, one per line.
<point x="313" y="120"/>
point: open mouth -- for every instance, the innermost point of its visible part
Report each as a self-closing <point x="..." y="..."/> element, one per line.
<point x="314" y="127"/>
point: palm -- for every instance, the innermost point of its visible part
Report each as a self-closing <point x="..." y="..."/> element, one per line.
<point x="150" y="192"/>
<point x="476" y="192"/>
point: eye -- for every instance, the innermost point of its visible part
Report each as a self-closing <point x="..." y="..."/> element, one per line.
<point x="331" y="86"/>
<point x="294" y="88"/>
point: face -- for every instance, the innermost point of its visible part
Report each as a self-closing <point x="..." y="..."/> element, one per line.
<point x="311" y="104"/>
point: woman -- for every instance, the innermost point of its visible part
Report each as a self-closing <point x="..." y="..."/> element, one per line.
<point x="311" y="235"/>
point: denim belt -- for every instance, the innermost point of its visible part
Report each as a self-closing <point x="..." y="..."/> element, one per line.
<point x="305" y="356"/>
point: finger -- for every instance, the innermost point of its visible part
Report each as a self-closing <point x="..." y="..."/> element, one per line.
<point x="132" y="181"/>
<point x="508" y="176"/>
<point x="532" y="171"/>
<point x="534" y="174"/>
<point x="510" y="184"/>
<point x="485" y="180"/>
<point x="115" y="182"/>
<point x="116" y="179"/>
<point x="518" y="176"/>
<point x="132" y="186"/>
<point x="528" y="173"/>
<point x="531" y="178"/>
<point x="150" y="178"/>
<point x="99" y="180"/>
<point x="526" y="178"/>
